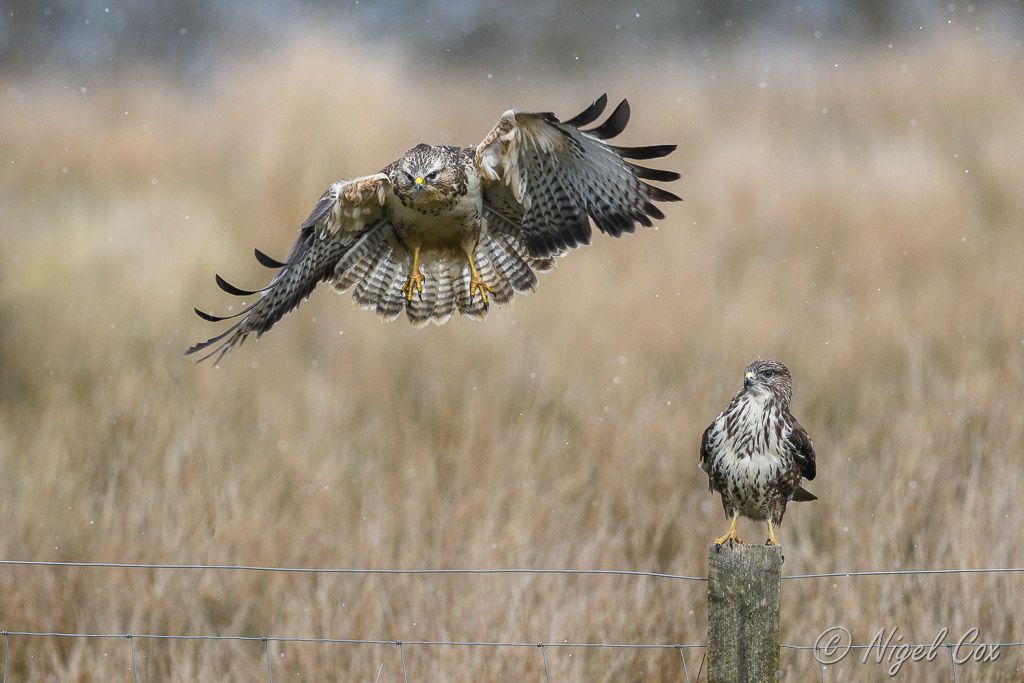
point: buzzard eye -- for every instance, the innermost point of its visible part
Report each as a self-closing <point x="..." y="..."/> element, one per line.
<point x="408" y="176"/>
<point x="767" y="373"/>
<point x="432" y="175"/>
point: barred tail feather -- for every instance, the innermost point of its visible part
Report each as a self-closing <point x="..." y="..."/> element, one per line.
<point x="354" y="266"/>
<point x="444" y="303"/>
<point x="511" y="265"/>
<point x="471" y="306"/>
<point x="382" y="268"/>
<point x="501" y="291"/>
<point x="369" y="289"/>
<point x="421" y="307"/>
<point x="391" y="299"/>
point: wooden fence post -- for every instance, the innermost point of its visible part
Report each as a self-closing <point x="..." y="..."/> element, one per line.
<point x="744" y="583"/>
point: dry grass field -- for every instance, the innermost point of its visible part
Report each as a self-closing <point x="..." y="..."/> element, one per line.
<point x="855" y="214"/>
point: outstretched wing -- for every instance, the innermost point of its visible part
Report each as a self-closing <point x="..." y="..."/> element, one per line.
<point x="563" y="176"/>
<point x="347" y="213"/>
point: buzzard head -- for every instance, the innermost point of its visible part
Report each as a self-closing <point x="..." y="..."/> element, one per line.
<point x="769" y="376"/>
<point x="426" y="174"/>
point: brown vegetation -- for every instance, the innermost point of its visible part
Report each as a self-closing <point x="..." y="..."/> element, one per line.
<point x="859" y="218"/>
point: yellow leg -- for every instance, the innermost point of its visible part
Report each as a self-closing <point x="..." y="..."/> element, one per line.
<point x="476" y="282"/>
<point x="731" y="534"/>
<point x="771" y="535"/>
<point x="415" y="281"/>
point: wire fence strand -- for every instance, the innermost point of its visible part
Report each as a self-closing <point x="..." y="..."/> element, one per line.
<point x="270" y="665"/>
<point x="332" y="570"/>
<point x="413" y="572"/>
<point x="815" y="649"/>
<point x="907" y="572"/>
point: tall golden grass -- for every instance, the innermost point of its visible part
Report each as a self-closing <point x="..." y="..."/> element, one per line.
<point x="858" y="217"/>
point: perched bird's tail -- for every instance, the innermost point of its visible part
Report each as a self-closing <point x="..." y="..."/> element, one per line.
<point x="802" y="495"/>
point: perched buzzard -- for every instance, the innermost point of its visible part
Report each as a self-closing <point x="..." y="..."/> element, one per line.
<point x="755" y="453"/>
<point x="446" y="229"/>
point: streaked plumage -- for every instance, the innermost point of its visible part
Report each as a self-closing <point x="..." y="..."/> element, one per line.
<point x="448" y="229"/>
<point x="755" y="453"/>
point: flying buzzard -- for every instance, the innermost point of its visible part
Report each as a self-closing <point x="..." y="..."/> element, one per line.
<point x="446" y="229"/>
<point x="755" y="453"/>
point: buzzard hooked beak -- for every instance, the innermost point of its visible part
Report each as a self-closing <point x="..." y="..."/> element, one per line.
<point x="748" y="379"/>
<point x="419" y="183"/>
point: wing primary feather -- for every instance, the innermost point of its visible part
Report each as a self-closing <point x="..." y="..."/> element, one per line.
<point x="654" y="212"/>
<point x="219" y="318"/>
<point x="323" y="208"/>
<point x="209" y="318"/>
<point x="656" y="174"/>
<point x="590" y="114"/>
<point x="615" y="123"/>
<point x="211" y="341"/>
<point x="269" y="261"/>
<point x="236" y="291"/>
<point x="649" y="152"/>
<point x="659" y="195"/>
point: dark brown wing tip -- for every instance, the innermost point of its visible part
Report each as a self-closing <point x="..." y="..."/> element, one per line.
<point x="234" y="291"/>
<point x="210" y="342"/>
<point x="269" y="261"/>
<point x="646" y="152"/>
<point x="655" y="174"/>
<point x="209" y="317"/>
<point x="590" y="114"/>
<point x="659" y="195"/>
<point x="614" y="124"/>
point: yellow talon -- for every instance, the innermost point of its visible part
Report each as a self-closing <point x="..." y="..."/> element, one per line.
<point x="771" y="535"/>
<point x="731" y="536"/>
<point x="477" y="283"/>
<point x="415" y="281"/>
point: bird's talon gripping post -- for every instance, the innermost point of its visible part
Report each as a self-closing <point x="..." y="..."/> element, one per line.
<point x="771" y="535"/>
<point x="731" y="534"/>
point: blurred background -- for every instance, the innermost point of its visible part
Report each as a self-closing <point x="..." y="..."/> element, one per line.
<point x="854" y="196"/>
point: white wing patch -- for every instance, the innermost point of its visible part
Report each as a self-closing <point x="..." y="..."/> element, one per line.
<point x="516" y="135"/>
